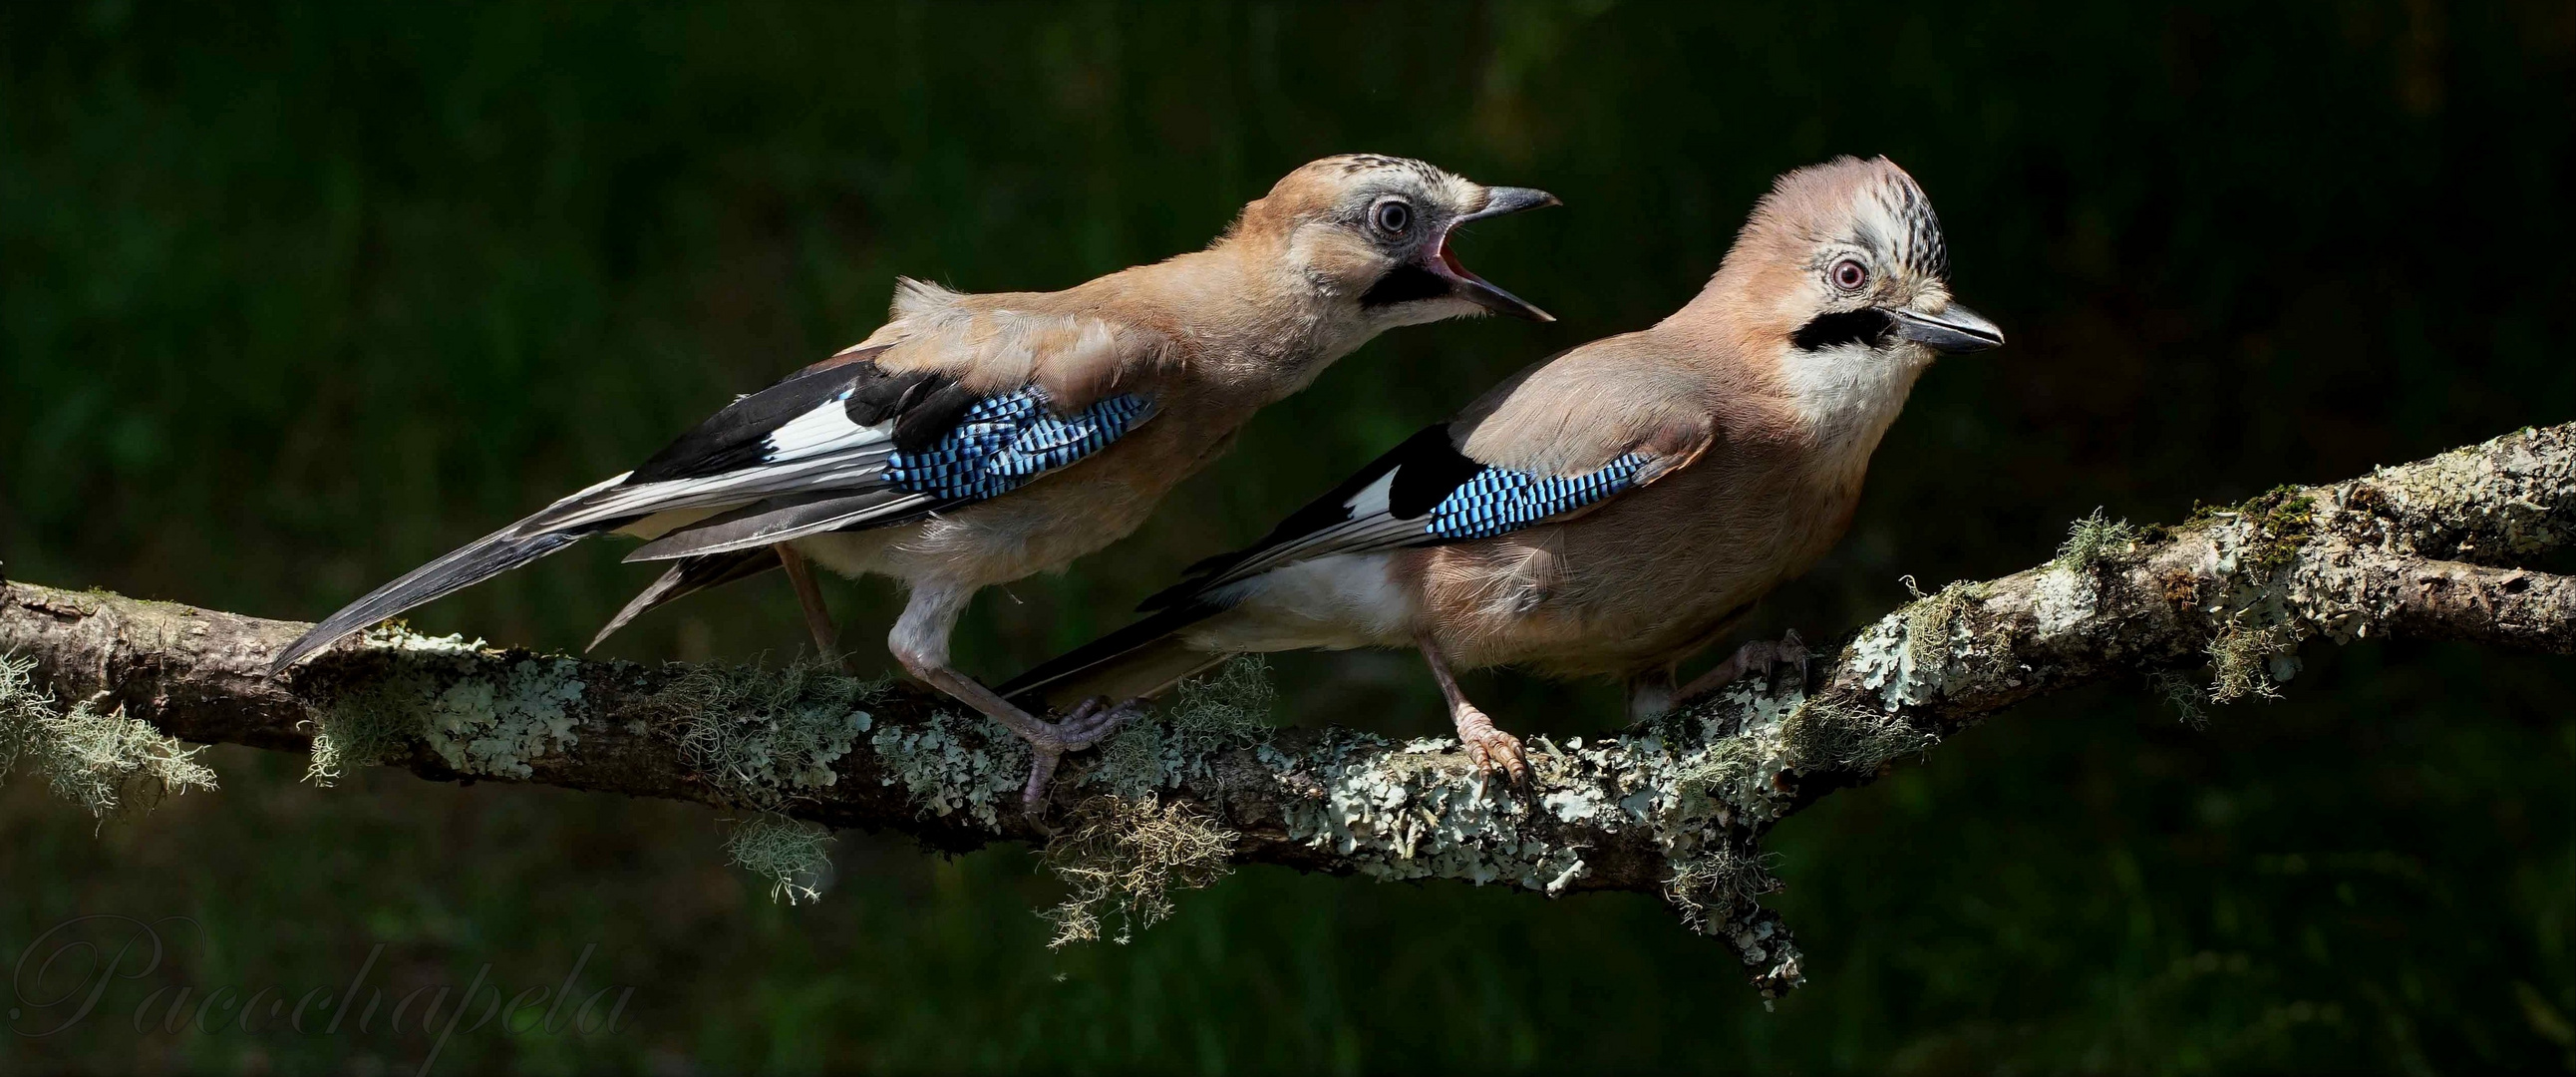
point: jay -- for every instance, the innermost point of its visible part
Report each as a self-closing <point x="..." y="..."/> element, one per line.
<point x="979" y="439"/>
<point x="1613" y="509"/>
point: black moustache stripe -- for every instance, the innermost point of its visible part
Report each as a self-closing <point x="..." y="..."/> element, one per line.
<point x="1405" y="284"/>
<point x="1868" y="325"/>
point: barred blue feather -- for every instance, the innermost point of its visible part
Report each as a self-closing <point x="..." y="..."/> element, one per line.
<point x="1002" y="442"/>
<point x="1498" y="501"/>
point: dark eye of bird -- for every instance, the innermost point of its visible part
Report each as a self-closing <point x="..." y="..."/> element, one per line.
<point x="1393" y="216"/>
<point x="1849" y="275"/>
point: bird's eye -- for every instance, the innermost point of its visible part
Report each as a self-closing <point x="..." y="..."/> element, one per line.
<point x="1392" y="216"/>
<point x="1849" y="275"/>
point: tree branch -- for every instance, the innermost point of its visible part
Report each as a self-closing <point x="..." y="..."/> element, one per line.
<point x="1676" y="804"/>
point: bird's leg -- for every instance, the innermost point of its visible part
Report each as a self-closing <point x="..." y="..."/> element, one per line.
<point x="920" y="642"/>
<point x="1759" y="656"/>
<point x="1650" y="693"/>
<point x="818" y="617"/>
<point x="1490" y="748"/>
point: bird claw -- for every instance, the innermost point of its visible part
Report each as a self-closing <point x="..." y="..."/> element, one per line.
<point x="1089" y="722"/>
<point x="1493" y="750"/>
<point x="1092" y="721"/>
<point x="1761" y="657"/>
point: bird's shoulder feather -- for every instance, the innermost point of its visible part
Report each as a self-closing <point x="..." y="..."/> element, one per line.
<point x="1075" y="347"/>
<point x="1559" y="439"/>
<point x="1575" y="411"/>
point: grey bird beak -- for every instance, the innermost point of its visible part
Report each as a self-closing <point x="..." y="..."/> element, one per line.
<point x="1502" y="200"/>
<point x="1475" y="289"/>
<point x="1955" y="331"/>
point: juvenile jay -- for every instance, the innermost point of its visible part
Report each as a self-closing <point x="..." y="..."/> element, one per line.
<point x="1613" y="509"/>
<point x="978" y="439"/>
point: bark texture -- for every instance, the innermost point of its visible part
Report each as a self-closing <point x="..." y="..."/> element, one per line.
<point x="2215" y="608"/>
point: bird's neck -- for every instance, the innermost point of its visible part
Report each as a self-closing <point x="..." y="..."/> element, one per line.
<point x="1848" y="396"/>
<point x="1256" y="328"/>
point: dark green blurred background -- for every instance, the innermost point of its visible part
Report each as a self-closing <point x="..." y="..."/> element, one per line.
<point x="291" y="301"/>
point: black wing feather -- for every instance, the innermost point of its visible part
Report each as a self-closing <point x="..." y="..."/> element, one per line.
<point x="732" y="453"/>
<point x="474" y="563"/>
<point x="1427" y="467"/>
<point x="738" y="436"/>
<point x="687" y="576"/>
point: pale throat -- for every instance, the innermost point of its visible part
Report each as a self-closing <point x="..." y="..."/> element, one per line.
<point x="1849" y="395"/>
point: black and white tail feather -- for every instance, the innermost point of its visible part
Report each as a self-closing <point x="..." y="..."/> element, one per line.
<point x="1423" y="492"/>
<point x="842" y="445"/>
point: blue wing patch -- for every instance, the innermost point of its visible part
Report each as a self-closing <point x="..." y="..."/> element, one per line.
<point x="1498" y="501"/>
<point x="1002" y="442"/>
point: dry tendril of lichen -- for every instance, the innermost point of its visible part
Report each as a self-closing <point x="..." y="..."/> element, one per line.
<point x="785" y="851"/>
<point x="100" y="760"/>
<point x="1122" y="856"/>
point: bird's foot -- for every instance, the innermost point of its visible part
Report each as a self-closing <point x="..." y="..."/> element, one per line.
<point x="1492" y="749"/>
<point x="1757" y="658"/>
<point x="1761" y="657"/>
<point x="1089" y="723"/>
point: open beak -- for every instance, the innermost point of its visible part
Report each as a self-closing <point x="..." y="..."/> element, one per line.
<point x="1472" y="288"/>
<point x="1954" y="331"/>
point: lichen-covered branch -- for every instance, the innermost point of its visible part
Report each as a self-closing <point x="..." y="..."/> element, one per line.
<point x="2215" y="608"/>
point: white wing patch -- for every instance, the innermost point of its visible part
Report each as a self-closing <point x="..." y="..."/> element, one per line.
<point x="825" y="429"/>
<point x="1372" y="501"/>
<point x="1372" y="525"/>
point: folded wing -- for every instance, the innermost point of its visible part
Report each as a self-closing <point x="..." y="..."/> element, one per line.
<point x="1423" y="492"/>
<point x="841" y="445"/>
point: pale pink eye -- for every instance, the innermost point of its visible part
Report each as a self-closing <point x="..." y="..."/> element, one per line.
<point x="1849" y="276"/>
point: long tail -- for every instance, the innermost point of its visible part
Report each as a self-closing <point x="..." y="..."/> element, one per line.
<point x="473" y="563"/>
<point x="487" y="557"/>
<point x="1136" y="662"/>
<point x="689" y="576"/>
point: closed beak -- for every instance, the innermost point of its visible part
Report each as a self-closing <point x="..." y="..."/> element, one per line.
<point x="1955" y="331"/>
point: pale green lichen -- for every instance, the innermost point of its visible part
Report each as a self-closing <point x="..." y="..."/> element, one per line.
<point x="786" y="852"/>
<point x="102" y="761"/>
<point x="1825" y="735"/>
<point x="2483" y="497"/>
<point x="1727" y="751"/>
<point x="2257" y="545"/>
<point x="1714" y="888"/>
<point x="1692" y="782"/>
<point x="765" y="738"/>
<point x="1122" y="857"/>
<point x="485" y="727"/>
<point x="1229" y="708"/>
<point x="1932" y="623"/>
<point x="367" y="726"/>
<point x="1124" y="852"/>
<point x="1395" y="812"/>
<point x="1914" y="656"/>
<point x="2063" y="598"/>
<point x="2069" y="587"/>
<point x="2184" y="696"/>
<point x="944" y="774"/>
<point x="2097" y="540"/>
<point x="1709" y="786"/>
<point x="440" y="694"/>
<point x="2241" y="660"/>
<point x="1225" y="710"/>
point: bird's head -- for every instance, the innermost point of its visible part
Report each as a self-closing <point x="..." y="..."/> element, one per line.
<point x="1371" y="234"/>
<point x="1843" y="270"/>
